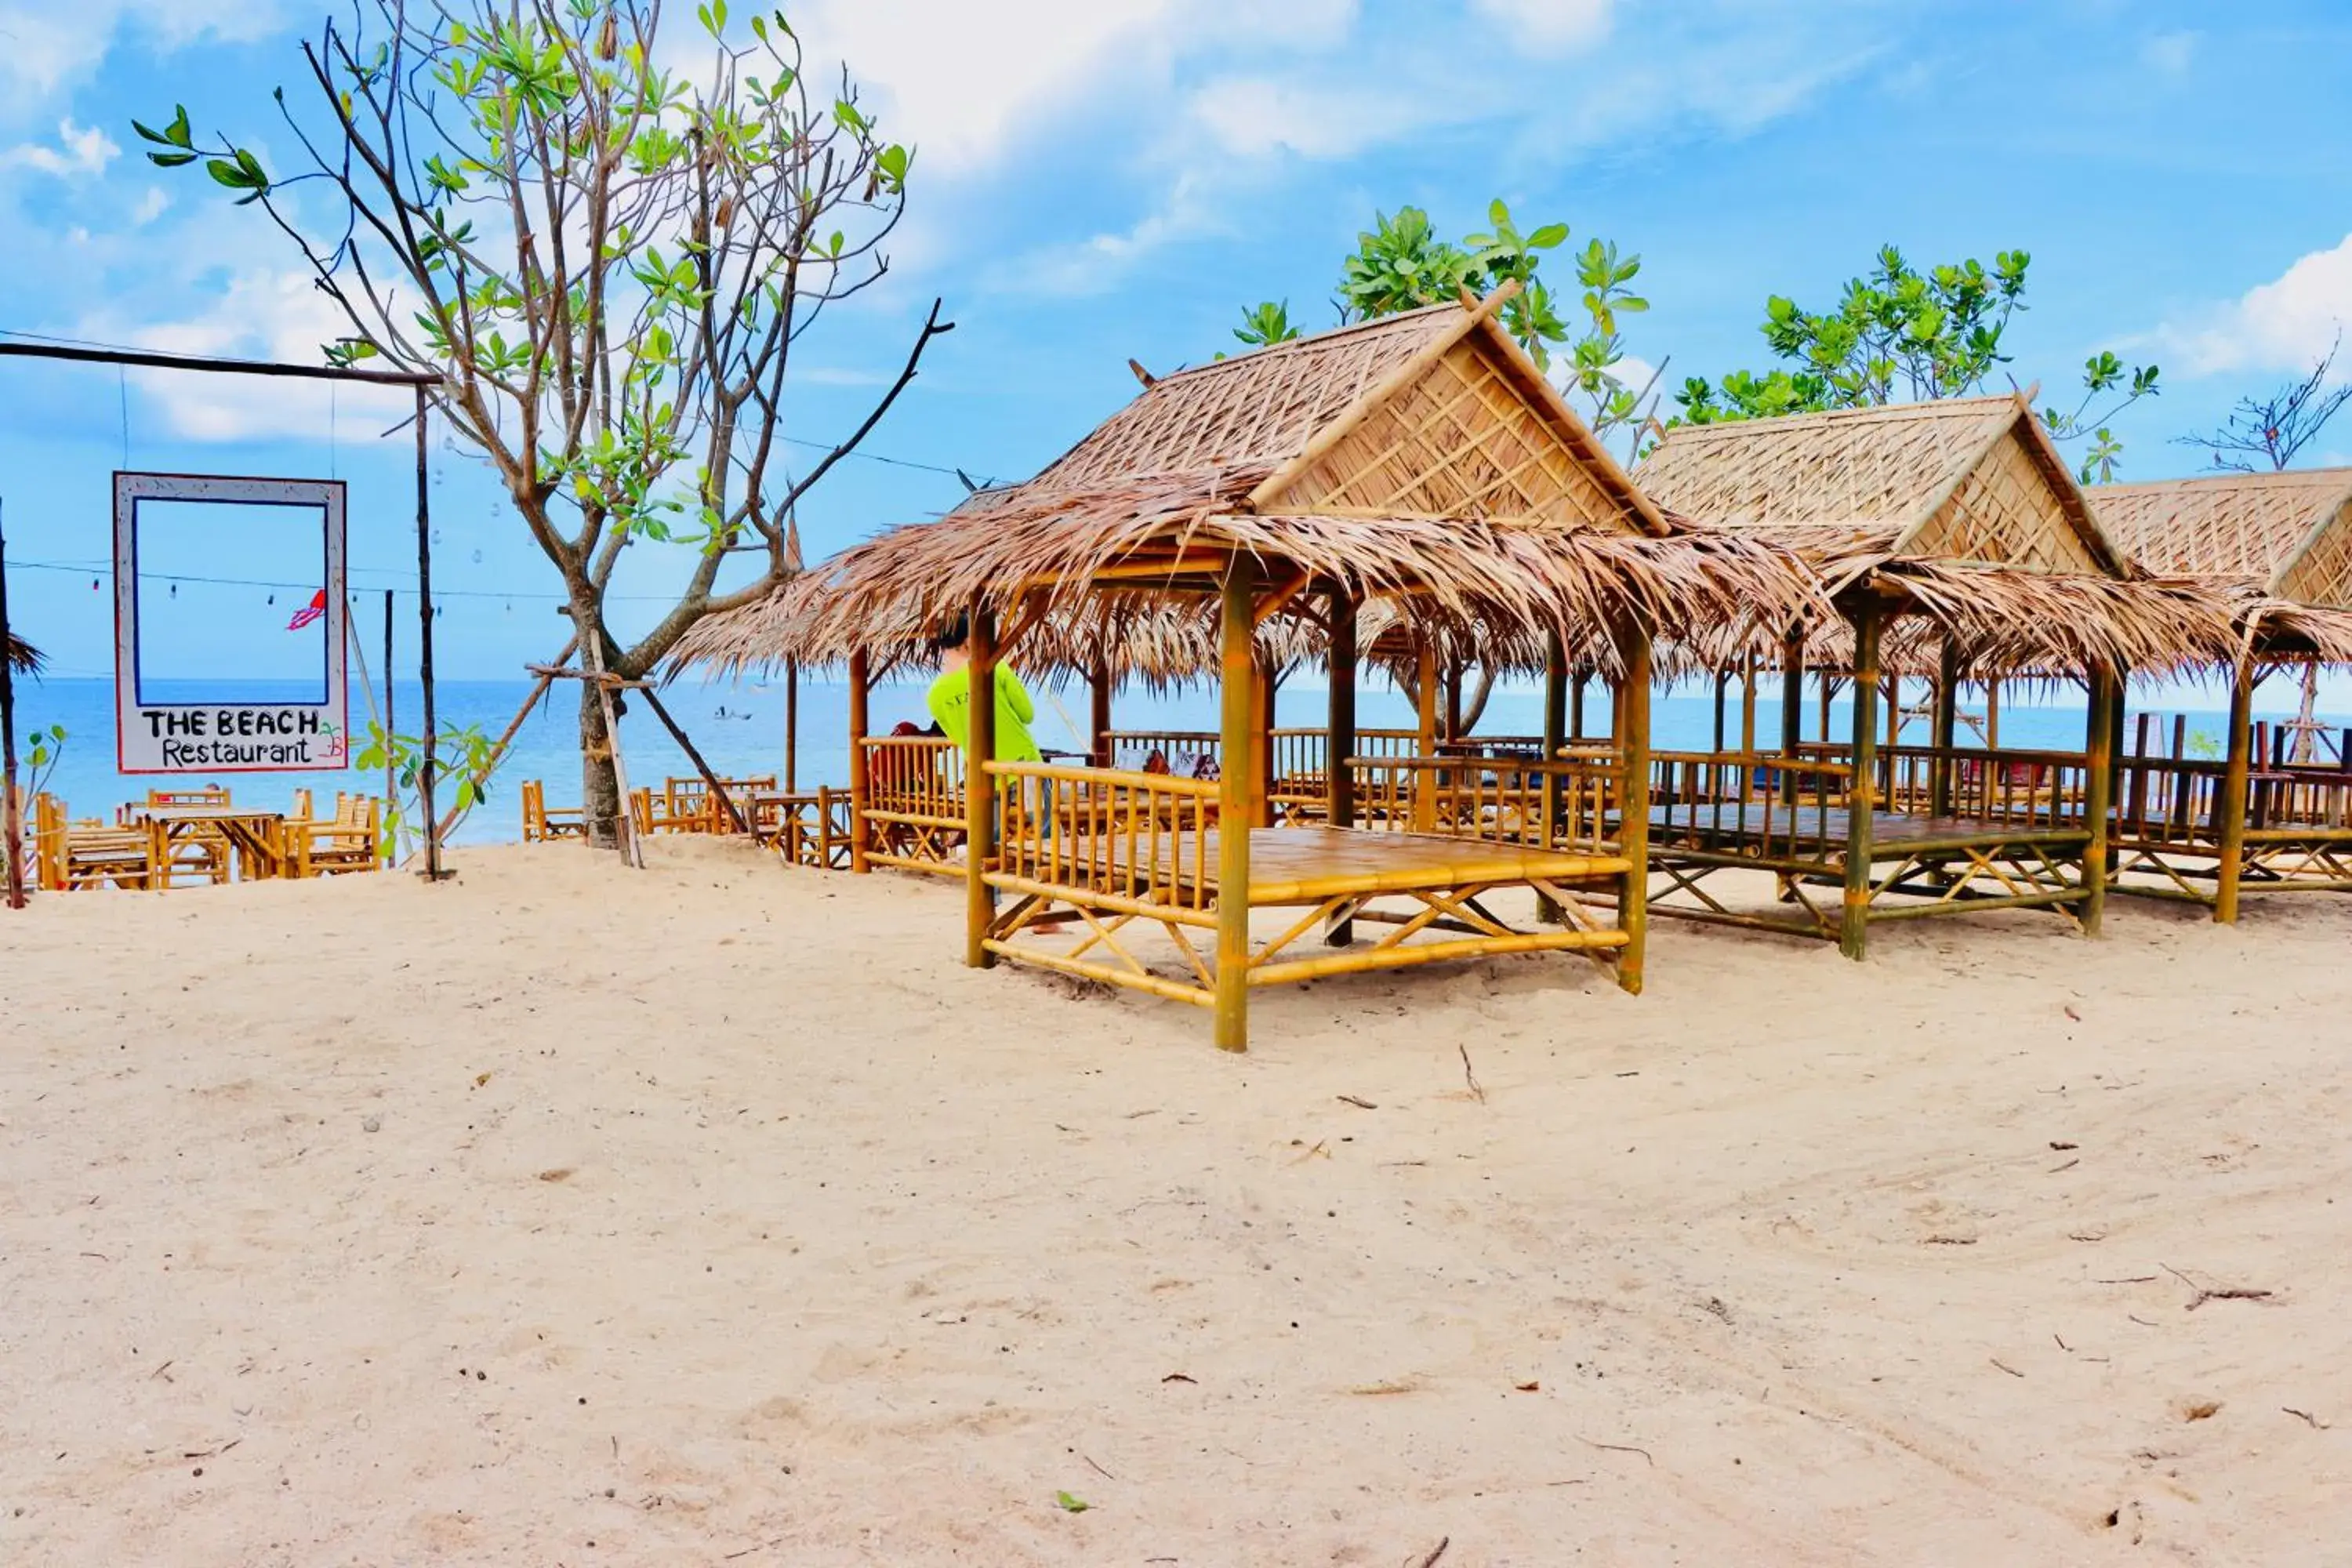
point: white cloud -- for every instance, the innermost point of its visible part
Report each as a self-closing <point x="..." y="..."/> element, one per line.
<point x="2169" y="53"/>
<point x="1552" y="25"/>
<point x="81" y="152"/>
<point x="45" y="45"/>
<point x="1250" y="117"/>
<point x="260" y="314"/>
<point x="2283" y="325"/>
<point x="964" y="83"/>
<point x="1100" y="262"/>
<point x="152" y="205"/>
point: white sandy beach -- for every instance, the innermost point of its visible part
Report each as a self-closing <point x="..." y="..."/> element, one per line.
<point x="713" y="1214"/>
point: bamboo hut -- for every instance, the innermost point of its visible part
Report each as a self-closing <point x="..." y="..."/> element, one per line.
<point x="1421" y="458"/>
<point x="1952" y="538"/>
<point x="2273" y="811"/>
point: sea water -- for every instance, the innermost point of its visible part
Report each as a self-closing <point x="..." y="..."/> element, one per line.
<point x="739" y="728"/>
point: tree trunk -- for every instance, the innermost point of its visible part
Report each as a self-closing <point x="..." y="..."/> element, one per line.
<point x="600" y="795"/>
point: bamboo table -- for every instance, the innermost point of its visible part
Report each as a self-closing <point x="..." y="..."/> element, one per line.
<point x="257" y="837"/>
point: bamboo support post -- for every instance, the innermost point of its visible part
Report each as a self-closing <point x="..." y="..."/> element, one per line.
<point x="979" y="790"/>
<point x="390" y="775"/>
<point x="861" y="784"/>
<point x="1239" y="688"/>
<point x="1098" y="744"/>
<point x="1424" y="795"/>
<point x="1748" y="707"/>
<point x="1945" y="731"/>
<point x="2231" y="808"/>
<point x="791" y="725"/>
<point x="1633" y="808"/>
<point x="1576" y="706"/>
<point x="1260" y="748"/>
<point x="1792" y="709"/>
<point x="1339" y="735"/>
<point x="1862" y="802"/>
<point x="625" y="830"/>
<point x="1993" y="713"/>
<point x="2098" y="794"/>
<point x="1555" y="720"/>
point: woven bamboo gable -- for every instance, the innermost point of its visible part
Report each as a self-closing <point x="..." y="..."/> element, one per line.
<point x="2289" y="534"/>
<point x="1431" y="414"/>
<point x="1964" y="479"/>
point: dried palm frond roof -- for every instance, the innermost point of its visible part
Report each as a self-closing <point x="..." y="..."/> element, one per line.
<point x="1421" y="458"/>
<point x="1963" y="513"/>
<point x="2280" y="544"/>
<point x="1962" y="478"/>
<point x="21" y="655"/>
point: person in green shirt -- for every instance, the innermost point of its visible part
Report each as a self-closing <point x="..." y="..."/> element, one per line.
<point x="950" y="699"/>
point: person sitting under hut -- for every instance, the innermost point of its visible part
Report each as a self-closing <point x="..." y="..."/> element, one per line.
<point x="950" y="699"/>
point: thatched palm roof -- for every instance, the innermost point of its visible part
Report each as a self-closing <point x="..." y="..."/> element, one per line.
<point x="23" y="656"/>
<point x="1421" y="458"/>
<point x="2292" y="531"/>
<point x="2279" y="545"/>
<point x="1962" y="510"/>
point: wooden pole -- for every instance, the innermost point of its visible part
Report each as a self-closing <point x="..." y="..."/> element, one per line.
<point x="1237" y="723"/>
<point x="624" y="828"/>
<point x="1792" y="709"/>
<point x="1261" y="752"/>
<point x="1993" y="713"/>
<point x="1099" y="711"/>
<point x="1425" y="794"/>
<point x="429" y="765"/>
<point x="514" y="725"/>
<point x="1722" y="709"/>
<point x="861" y="787"/>
<point x="1450" y="687"/>
<point x="391" y="780"/>
<point x="1576" y="706"/>
<point x="1748" y="706"/>
<point x="980" y="790"/>
<point x="1554" y="724"/>
<point x="1339" y="728"/>
<point x="710" y="779"/>
<point x="1340" y="736"/>
<point x="2233" y="806"/>
<point x="2098" y="792"/>
<point x="1946" y="730"/>
<point x="12" y="809"/>
<point x="791" y="725"/>
<point x="1855" y="917"/>
<point x="1633" y="809"/>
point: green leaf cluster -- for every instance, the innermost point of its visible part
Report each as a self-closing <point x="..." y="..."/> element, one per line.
<point x="1402" y="263"/>
<point x="1901" y="333"/>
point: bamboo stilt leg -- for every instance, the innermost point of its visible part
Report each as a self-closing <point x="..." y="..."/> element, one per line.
<point x="979" y="792"/>
<point x="1238" y="722"/>
<point x="1854" y="918"/>
<point x="1555" y="720"/>
<point x="2098" y="784"/>
<point x="2231" y="828"/>
<point x="1339" y="737"/>
<point x="1633" y="817"/>
<point x="861" y="784"/>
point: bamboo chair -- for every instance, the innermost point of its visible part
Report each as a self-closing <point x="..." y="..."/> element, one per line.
<point x="674" y="810"/>
<point x="89" y="853"/>
<point x="346" y="844"/>
<point x="541" y="824"/>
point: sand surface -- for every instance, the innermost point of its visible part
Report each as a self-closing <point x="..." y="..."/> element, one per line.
<point x="713" y="1214"/>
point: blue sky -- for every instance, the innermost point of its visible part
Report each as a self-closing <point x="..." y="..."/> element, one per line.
<point x="1097" y="179"/>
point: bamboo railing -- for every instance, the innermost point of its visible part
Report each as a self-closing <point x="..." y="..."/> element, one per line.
<point x="1565" y="806"/>
<point x="1128" y="842"/>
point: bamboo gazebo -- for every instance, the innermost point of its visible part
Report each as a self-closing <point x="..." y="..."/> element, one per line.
<point x="1419" y="458"/>
<point x="2270" y="814"/>
<point x="1952" y="539"/>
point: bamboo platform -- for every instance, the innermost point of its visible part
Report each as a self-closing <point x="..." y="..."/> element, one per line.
<point x="1082" y="856"/>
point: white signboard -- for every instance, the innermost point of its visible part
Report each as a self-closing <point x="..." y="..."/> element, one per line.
<point x="213" y="682"/>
